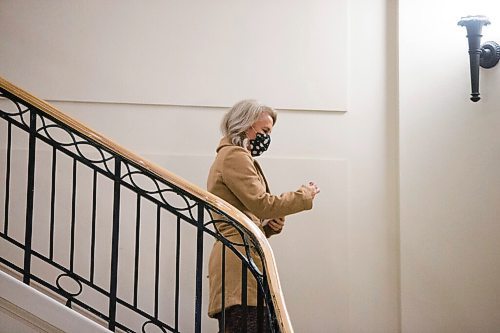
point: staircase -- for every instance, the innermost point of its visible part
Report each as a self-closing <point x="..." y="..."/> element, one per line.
<point x="24" y="309"/>
<point x="109" y="236"/>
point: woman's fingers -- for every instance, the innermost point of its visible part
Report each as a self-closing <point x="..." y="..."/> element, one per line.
<point x="315" y="189"/>
<point x="276" y="224"/>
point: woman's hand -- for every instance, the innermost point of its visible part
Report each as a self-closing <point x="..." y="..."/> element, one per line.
<point x="276" y="224"/>
<point x="314" y="188"/>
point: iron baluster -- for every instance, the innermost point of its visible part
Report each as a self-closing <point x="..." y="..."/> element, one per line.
<point x="137" y="248"/>
<point x="30" y="197"/>
<point x="7" y="180"/>
<point x="52" y="202"/>
<point x="73" y="220"/>
<point x="177" y="272"/>
<point x="92" y="236"/>
<point x="157" y="260"/>
<point x="244" y="294"/>
<point x="260" y="310"/>
<point x="199" y="268"/>
<point x="223" y="291"/>
<point x="114" y="245"/>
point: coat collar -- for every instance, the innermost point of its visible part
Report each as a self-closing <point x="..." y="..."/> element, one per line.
<point x="226" y="142"/>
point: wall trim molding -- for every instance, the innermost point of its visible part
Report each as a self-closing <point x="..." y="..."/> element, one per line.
<point x="222" y="107"/>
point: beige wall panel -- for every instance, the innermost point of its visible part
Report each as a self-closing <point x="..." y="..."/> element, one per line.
<point x="180" y="52"/>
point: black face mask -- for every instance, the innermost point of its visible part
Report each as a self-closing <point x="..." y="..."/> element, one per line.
<point x="259" y="144"/>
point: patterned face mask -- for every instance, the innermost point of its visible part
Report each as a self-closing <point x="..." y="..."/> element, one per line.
<point x="259" y="144"/>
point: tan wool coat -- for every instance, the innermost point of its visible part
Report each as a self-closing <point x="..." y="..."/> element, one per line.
<point x="238" y="179"/>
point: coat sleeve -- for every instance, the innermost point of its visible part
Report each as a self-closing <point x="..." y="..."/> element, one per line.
<point x="241" y="177"/>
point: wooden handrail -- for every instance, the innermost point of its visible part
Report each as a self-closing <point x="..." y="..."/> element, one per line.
<point x="268" y="259"/>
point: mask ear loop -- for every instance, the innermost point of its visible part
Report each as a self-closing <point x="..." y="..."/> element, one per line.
<point x="253" y="130"/>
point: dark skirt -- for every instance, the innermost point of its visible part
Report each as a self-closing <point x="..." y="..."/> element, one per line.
<point x="235" y="320"/>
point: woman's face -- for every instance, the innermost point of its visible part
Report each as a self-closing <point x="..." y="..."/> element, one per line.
<point x="263" y="125"/>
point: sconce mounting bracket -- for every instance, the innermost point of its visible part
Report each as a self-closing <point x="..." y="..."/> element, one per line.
<point x="490" y="54"/>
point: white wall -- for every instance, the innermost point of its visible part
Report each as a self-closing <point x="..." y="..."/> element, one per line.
<point x="339" y="263"/>
<point x="274" y="51"/>
<point x="450" y="185"/>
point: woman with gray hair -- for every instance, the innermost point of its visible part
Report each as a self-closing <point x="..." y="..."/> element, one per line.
<point x="236" y="177"/>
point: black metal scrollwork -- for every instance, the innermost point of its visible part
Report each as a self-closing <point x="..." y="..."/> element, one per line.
<point x="154" y="324"/>
<point x="20" y="111"/>
<point x="163" y="192"/>
<point x="69" y="295"/>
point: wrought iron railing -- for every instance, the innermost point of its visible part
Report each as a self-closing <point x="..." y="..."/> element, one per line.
<point x="110" y="234"/>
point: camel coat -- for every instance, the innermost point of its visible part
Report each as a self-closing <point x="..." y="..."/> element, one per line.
<point x="238" y="179"/>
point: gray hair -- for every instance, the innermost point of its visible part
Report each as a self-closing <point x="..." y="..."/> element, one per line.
<point x="241" y="117"/>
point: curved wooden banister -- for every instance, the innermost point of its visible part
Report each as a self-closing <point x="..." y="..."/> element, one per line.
<point x="268" y="260"/>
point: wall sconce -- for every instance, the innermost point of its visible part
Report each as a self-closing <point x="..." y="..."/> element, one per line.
<point x="486" y="55"/>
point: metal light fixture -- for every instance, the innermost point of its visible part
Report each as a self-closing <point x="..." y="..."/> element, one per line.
<point x="486" y="55"/>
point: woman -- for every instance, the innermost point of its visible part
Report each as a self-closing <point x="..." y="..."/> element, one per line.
<point x="238" y="179"/>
